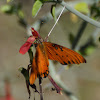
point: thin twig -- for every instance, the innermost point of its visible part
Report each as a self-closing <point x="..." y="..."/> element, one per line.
<point x="40" y="84"/>
<point x="79" y="34"/>
<point x="55" y="23"/>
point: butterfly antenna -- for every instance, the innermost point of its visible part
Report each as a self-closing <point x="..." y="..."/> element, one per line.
<point x="55" y="23"/>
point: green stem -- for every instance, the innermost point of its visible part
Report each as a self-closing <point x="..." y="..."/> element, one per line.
<point x="40" y="84"/>
<point x="30" y="54"/>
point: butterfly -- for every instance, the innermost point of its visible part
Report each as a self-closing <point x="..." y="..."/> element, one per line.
<point x="47" y="50"/>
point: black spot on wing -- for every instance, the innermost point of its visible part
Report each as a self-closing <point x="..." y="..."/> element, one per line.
<point x="64" y="63"/>
<point x="56" y="47"/>
<point x="61" y="48"/>
<point x="73" y="62"/>
<point x="46" y="73"/>
<point x="77" y="62"/>
<point x="53" y="45"/>
<point x="85" y="61"/>
<point x="56" y="54"/>
<point x="69" y="62"/>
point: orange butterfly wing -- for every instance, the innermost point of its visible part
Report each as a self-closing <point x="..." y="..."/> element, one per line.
<point x="42" y="60"/>
<point x="62" y="54"/>
<point x="40" y="63"/>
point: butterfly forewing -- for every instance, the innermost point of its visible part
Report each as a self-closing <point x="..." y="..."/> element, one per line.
<point x="62" y="54"/>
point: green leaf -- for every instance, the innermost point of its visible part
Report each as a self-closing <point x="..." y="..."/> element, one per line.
<point x="82" y="7"/>
<point x="11" y="9"/>
<point x="36" y="7"/>
<point x="20" y="14"/>
<point x="5" y="8"/>
<point x="24" y="72"/>
<point x="53" y="12"/>
<point x="89" y="50"/>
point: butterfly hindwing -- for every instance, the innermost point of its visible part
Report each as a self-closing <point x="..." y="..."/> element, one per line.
<point x="62" y="54"/>
<point x="33" y="74"/>
<point x="41" y="60"/>
<point x="40" y="64"/>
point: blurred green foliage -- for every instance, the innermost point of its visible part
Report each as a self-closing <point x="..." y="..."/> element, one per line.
<point x="6" y="9"/>
<point x="89" y="50"/>
<point x="88" y="47"/>
<point x="14" y="9"/>
<point x="82" y="7"/>
<point x="11" y="9"/>
<point x="95" y="10"/>
<point x="9" y="1"/>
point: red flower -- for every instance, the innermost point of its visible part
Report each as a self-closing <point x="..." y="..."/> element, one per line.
<point x="25" y="47"/>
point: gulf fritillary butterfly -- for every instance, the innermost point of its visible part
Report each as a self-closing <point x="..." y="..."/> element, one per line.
<point x="47" y="50"/>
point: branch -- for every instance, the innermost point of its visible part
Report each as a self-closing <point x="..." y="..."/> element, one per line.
<point x="79" y="34"/>
<point x="48" y="16"/>
<point x="84" y="17"/>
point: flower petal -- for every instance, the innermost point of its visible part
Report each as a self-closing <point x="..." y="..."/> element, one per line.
<point x="34" y="32"/>
<point x="31" y="39"/>
<point x="58" y="89"/>
<point x="25" y="47"/>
